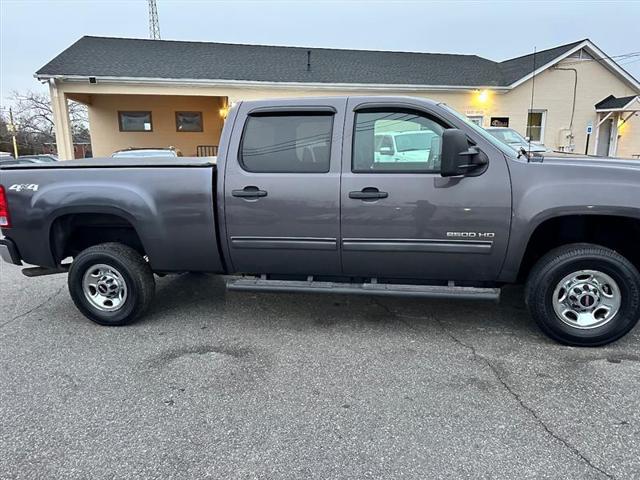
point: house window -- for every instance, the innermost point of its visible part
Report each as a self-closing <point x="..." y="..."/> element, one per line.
<point x="535" y="125"/>
<point x="477" y="119"/>
<point x="499" y="121"/>
<point x="135" y="121"/>
<point x="189" y="121"/>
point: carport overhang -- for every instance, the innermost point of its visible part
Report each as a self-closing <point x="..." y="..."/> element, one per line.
<point x="92" y="91"/>
<point x="81" y="88"/>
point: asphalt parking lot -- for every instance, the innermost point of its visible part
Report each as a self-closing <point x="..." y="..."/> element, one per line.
<point x="214" y="384"/>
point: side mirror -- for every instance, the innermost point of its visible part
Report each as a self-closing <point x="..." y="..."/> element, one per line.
<point x="457" y="157"/>
<point x="385" y="151"/>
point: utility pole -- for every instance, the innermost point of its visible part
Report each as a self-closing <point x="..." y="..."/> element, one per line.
<point x="12" y="129"/>
<point x="154" y="24"/>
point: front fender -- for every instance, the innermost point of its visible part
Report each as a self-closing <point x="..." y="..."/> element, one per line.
<point x="541" y="193"/>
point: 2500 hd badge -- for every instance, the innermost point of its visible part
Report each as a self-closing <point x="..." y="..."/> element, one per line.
<point x="471" y="234"/>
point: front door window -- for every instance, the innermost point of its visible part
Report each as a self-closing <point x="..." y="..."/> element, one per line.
<point x="396" y="142"/>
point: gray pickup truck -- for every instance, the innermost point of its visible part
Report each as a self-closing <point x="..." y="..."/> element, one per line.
<point x="305" y="196"/>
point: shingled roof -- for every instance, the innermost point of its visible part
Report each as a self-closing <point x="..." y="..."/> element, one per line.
<point x="612" y="102"/>
<point x="162" y="59"/>
<point x="516" y="68"/>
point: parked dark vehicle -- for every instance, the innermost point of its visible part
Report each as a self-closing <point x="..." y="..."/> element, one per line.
<point x="299" y="200"/>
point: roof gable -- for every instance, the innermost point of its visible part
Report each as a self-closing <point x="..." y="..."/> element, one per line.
<point x="516" y="68"/>
<point x="546" y="60"/>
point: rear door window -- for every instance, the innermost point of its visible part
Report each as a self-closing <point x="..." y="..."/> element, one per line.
<point x="287" y="143"/>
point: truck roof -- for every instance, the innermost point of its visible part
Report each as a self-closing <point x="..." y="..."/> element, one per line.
<point x="300" y="101"/>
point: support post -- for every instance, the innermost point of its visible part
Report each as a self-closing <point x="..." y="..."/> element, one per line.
<point x="60" y="107"/>
<point x="596" y="134"/>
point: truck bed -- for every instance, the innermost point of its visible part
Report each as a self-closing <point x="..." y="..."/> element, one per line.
<point x="109" y="162"/>
<point x="168" y="203"/>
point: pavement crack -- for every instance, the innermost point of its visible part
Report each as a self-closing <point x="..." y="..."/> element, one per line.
<point x="518" y="398"/>
<point x="496" y="373"/>
<point x="398" y="317"/>
<point x="41" y="304"/>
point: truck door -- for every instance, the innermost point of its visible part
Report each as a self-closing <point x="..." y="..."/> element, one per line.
<point x="282" y="187"/>
<point x="400" y="218"/>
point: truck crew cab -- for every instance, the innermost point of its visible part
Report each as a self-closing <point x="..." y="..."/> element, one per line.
<point x="300" y="198"/>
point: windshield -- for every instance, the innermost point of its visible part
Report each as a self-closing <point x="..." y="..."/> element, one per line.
<point x="144" y="153"/>
<point x="508" y="136"/>
<point x="414" y="141"/>
<point x="481" y="131"/>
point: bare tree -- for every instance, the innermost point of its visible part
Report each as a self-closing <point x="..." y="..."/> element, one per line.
<point x="33" y="116"/>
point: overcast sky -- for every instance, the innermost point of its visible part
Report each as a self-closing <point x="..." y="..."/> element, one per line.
<point x="34" y="31"/>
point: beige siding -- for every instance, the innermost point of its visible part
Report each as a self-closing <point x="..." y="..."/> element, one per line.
<point x="106" y="136"/>
<point x="553" y="93"/>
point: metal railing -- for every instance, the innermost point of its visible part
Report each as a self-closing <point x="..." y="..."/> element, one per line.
<point x="207" y="150"/>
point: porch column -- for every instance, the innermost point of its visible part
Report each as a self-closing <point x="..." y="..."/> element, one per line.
<point x="234" y="99"/>
<point x="62" y="124"/>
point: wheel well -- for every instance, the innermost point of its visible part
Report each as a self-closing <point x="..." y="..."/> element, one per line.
<point x="621" y="234"/>
<point x="70" y="234"/>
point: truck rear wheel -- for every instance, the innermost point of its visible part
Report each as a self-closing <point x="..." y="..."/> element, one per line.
<point x="584" y="295"/>
<point x="111" y="284"/>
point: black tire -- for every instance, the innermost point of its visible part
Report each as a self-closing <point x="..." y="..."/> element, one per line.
<point x="551" y="269"/>
<point x="133" y="270"/>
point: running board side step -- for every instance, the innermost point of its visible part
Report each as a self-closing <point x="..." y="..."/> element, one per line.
<point x="41" y="271"/>
<point x="401" y="290"/>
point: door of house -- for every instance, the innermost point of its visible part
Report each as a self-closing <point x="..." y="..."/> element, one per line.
<point x="604" y="138"/>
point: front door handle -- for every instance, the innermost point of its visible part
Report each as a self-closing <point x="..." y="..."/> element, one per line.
<point x="249" y="192"/>
<point x="368" y="193"/>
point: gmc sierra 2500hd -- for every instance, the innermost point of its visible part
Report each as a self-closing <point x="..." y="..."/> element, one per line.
<point x="306" y="196"/>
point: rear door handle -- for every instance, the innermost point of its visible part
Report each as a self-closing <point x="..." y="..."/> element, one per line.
<point x="368" y="193"/>
<point x="249" y="192"/>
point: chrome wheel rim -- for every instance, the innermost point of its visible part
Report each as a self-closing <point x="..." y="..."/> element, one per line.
<point x="104" y="287"/>
<point x="587" y="299"/>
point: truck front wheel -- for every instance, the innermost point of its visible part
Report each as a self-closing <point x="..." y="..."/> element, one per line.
<point x="584" y="295"/>
<point x="111" y="284"/>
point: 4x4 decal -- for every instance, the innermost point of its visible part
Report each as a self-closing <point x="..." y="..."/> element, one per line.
<point x="19" y="187"/>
